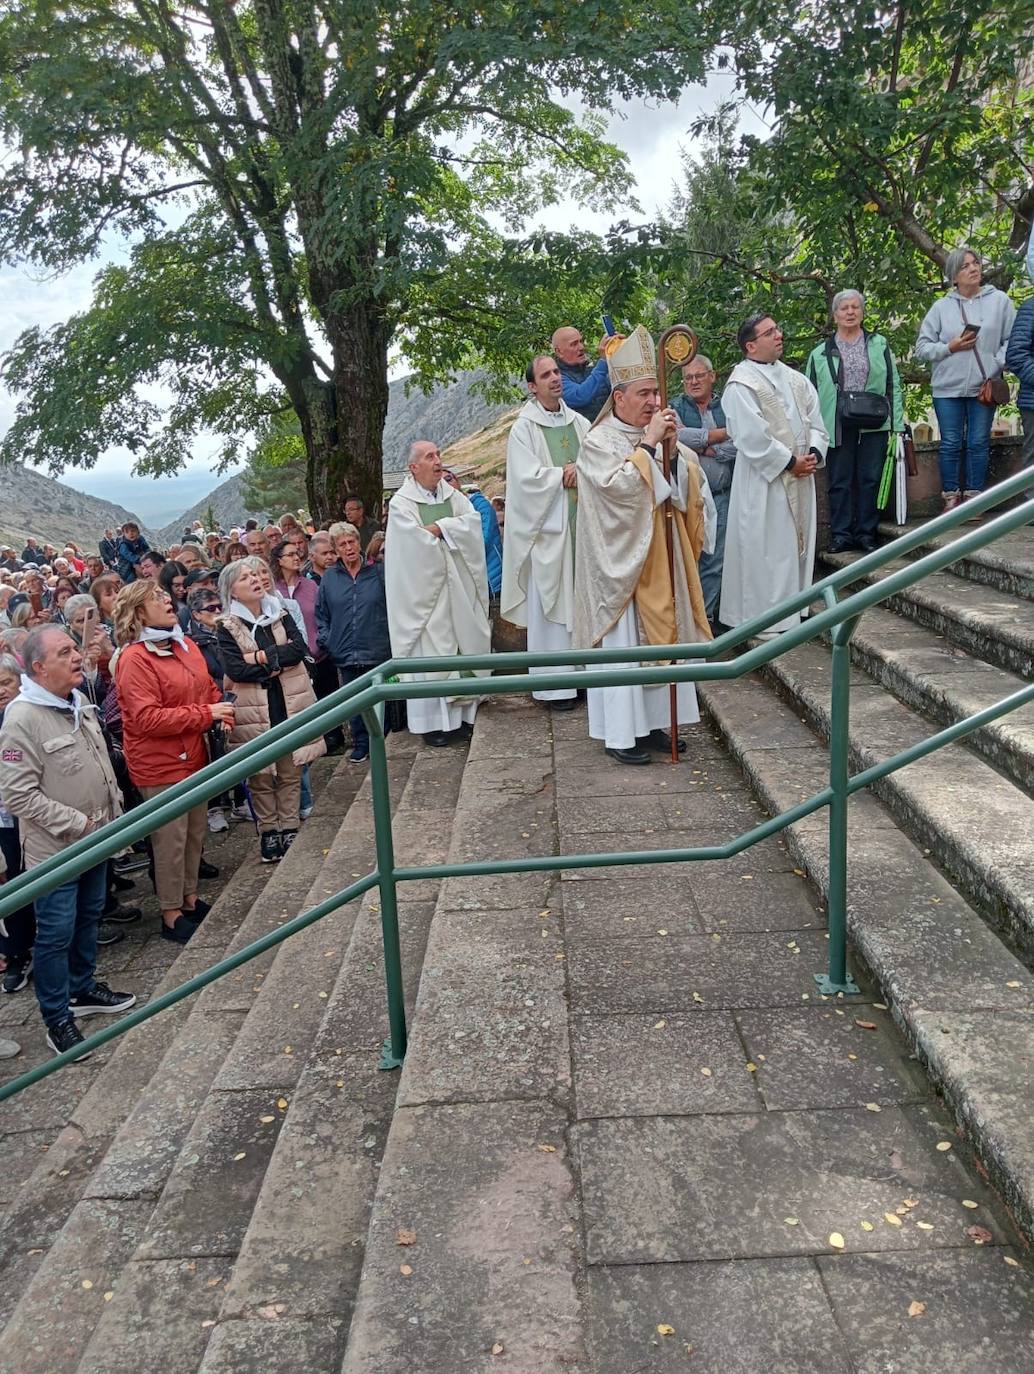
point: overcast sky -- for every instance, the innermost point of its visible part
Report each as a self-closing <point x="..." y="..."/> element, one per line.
<point x="648" y="133"/>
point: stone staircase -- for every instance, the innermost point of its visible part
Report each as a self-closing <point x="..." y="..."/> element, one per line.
<point x="205" y="1208"/>
<point x="941" y="870"/>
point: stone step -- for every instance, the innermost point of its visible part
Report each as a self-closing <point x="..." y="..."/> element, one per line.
<point x="947" y="684"/>
<point x="127" y="1133"/>
<point x="1007" y="565"/>
<point x="963" y="999"/>
<point x="472" y="1254"/>
<point x="83" y="1123"/>
<point x="989" y="624"/>
<point x="976" y="822"/>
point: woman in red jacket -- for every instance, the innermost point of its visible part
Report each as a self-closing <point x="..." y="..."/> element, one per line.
<point x="168" y="702"/>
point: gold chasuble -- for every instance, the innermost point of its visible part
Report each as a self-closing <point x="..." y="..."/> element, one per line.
<point x="655" y="598"/>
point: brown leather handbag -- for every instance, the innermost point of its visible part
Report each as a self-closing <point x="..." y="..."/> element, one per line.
<point x="994" y="391"/>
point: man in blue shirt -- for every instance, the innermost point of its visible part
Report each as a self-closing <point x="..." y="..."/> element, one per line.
<point x="702" y="428"/>
<point x="586" y="387"/>
<point x="489" y="531"/>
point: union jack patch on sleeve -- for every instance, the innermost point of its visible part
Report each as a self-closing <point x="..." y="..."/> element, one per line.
<point x="11" y="756"/>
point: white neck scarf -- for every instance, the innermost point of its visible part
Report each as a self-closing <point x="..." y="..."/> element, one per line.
<point x="37" y="695"/>
<point x="271" y="610"/>
<point x="149" y="635"/>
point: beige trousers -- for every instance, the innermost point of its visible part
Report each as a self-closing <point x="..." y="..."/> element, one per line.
<point x="177" y="852"/>
<point x="276" y="798"/>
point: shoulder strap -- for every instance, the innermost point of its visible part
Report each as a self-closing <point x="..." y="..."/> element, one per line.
<point x="976" y="348"/>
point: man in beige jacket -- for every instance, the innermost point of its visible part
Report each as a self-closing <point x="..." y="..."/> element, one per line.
<point x="57" y="779"/>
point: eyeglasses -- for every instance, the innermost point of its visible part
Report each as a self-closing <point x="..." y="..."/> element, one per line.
<point x="767" y="333"/>
<point x="289" y="553"/>
<point x="215" y="606"/>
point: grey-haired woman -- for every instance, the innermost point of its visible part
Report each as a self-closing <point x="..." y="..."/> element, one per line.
<point x="963" y="338"/>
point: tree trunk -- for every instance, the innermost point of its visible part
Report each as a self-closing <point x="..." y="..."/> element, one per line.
<point x="343" y="422"/>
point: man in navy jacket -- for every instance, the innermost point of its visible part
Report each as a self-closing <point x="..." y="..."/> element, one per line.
<point x="1019" y="358"/>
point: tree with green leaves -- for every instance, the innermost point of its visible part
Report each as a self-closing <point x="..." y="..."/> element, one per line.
<point x="301" y="185"/>
<point x="274" y="478"/>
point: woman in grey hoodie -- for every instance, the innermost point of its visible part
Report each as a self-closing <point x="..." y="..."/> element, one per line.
<point x="956" y="375"/>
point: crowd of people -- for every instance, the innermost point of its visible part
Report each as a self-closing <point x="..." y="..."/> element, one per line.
<point x="625" y="523"/>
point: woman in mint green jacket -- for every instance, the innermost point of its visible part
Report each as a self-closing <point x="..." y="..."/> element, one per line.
<point x="859" y="390"/>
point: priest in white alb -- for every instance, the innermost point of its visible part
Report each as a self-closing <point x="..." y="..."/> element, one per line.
<point x="624" y="595"/>
<point x="773" y="417"/>
<point x="437" y="589"/>
<point x="538" y="551"/>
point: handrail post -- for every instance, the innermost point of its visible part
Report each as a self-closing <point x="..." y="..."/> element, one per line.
<point x="838" y="980"/>
<point x="394" y="1048"/>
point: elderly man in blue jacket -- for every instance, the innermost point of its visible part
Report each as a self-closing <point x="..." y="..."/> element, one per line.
<point x="586" y="386"/>
<point x="352" y="619"/>
<point x="1019" y="359"/>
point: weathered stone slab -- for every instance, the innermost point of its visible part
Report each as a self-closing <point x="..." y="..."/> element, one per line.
<point x="820" y="1057"/>
<point x="494" y="1257"/>
<point x="65" y="1300"/>
<point x="492" y="1022"/>
<point x="211" y="1191"/>
<point x="499" y="893"/>
<point x="978" y="1313"/>
<point x="141" y="1156"/>
<point x="664" y="973"/>
<point x="304" y="1243"/>
<point x="627" y="908"/>
<point x="729" y="901"/>
<point x="733" y="1180"/>
<point x="767" y="856"/>
<point x="728" y="1318"/>
<point x="19" y="1155"/>
<point x="647" y="1065"/>
<point x="159" y="1318"/>
<point x="241" y="1347"/>
<point x="605" y="778"/>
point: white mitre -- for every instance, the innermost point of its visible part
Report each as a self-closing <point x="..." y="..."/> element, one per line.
<point x="629" y="361"/>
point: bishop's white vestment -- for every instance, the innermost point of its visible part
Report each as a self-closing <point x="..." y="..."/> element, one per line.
<point x="538" y="551"/>
<point x="771" y="412"/>
<point x="437" y="593"/>
<point x="623" y="594"/>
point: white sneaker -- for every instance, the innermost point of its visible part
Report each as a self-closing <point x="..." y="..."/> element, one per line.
<point x="305" y="812"/>
<point x="217" y="820"/>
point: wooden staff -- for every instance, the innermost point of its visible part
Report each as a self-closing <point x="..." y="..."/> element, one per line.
<point x="678" y="345"/>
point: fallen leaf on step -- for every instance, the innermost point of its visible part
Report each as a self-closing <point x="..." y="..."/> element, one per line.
<point x="924" y="1226"/>
<point x="873" y="1107"/>
<point x="697" y="997"/>
<point x="852" y="1056"/>
<point x="87" y="1283"/>
<point x="1012" y="1263"/>
<point x="891" y="1219"/>
<point x="943" y="1145"/>
<point x="240" y="1155"/>
<point x="752" y="1068"/>
<point x="867" y="1226"/>
<point x="662" y="931"/>
<point x="865" y="1025"/>
<point x="968" y="1202"/>
<point x="659" y="1025"/>
<point x="281" y="1102"/>
<point x="664" y="1329"/>
<point x="910" y="1202"/>
<point x="267" y="1119"/>
<point x="497" y="1349"/>
<point x="544" y="911"/>
<point x="791" y="1221"/>
<point x="405" y="1270"/>
<point x="706" y="1073"/>
<point x="836" y="1240"/>
<point x="404" y="1237"/>
<point x="979" y="1235"/>
<point x="916" y="1309"/>
<point x="1013" y="983"/>
<point x="548" y="1149"/>
<point x="880" y="1006"/>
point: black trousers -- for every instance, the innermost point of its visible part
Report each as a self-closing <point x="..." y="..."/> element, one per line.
<point x="21" y="924"/>
<point x="325" y="681"/>
<point x="853" y="472"/>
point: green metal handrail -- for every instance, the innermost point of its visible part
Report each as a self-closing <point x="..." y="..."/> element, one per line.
<point x="673" y="663"/>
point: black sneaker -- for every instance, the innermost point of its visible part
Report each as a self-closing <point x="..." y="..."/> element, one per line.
<point x="287" y="839"/>
<point x="65" y="1037"/>
<point x="207" y="870"/>
<point x="270" y="850"/>
<point x="121" y="915"/>
<point x="120" y="884"/>
<point x="198" y="911"/>
<point x="100" y="1000"/>
<point x="17" y="974"/>
<point x="131" y="863"/>
<point x="359" y="754"/>
<point x="108" y="935"/>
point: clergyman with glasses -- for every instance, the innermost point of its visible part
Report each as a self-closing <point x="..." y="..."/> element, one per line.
<point x="702" y="428"/>
<point x="773" y="417"/>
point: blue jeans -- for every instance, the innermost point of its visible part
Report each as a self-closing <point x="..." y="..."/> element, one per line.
<point x="360" y="734"/>
<point x="305" y="799"/>
<point x="963" y="418"/>
<point x="66" y="941"/>
<point x="710" y="566"/>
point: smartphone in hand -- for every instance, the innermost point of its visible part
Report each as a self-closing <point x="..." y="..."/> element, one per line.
<point x="970" y="331"/>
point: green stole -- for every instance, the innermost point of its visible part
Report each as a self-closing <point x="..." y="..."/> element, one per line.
<point x="562" y="443"/>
